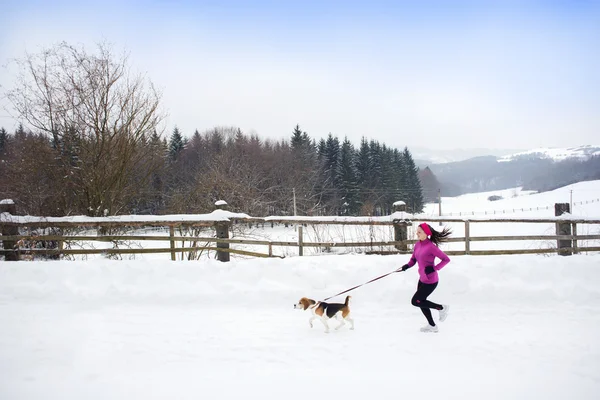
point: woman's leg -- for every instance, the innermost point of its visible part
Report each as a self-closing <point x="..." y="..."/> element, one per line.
<point x="420" y="300"/>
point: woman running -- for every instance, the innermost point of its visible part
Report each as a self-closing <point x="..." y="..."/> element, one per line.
<point x="424" y="253"/>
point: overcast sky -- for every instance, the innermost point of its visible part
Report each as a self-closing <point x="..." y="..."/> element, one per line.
<point x="440" y="75"/>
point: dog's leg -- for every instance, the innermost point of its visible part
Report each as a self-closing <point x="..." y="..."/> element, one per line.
<point x="351" y="322"/>
<point x="339" y="317"/>
<point x="310" y="321"/>
<point x="324" y="321"/>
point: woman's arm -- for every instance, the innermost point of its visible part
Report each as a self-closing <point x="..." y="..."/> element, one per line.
<point x="442" y="256"/>
<point x="413" y="259"/>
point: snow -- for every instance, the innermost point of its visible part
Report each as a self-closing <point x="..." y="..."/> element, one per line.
<point x="340" y="219"/>
<point x="522" y="204"/>
<point x="7" y="201"/>
<point x="216" y="215"/>
<point x="220" y="203"/>
<point x="519" y="327"/>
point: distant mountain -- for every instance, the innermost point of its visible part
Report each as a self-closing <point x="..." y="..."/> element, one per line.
<point x="425" y="156"/>
<point x="584" y="152"/>
<point x="539" y="169"/>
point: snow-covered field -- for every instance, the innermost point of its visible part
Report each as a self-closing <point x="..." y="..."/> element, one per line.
<point x="519" y="327"/>
<point x="519" y="203"/>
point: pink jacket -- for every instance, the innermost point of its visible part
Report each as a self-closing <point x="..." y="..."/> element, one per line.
<point x="425" y="253"/>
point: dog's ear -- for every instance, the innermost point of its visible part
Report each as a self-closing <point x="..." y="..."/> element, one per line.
<point x="304" y="302"/>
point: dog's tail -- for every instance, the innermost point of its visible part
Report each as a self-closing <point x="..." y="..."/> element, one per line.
<point x="347" y="300"/>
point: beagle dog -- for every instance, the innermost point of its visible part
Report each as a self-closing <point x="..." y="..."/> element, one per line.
<point x="327" y="311"/>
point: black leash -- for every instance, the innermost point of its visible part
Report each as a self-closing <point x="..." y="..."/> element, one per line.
<point x="357" y="286"/>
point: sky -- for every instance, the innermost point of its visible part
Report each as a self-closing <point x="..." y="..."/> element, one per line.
<point x="437" y="75"/>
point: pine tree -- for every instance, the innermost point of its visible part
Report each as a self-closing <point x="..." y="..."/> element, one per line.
<point x="239" y="137"/>
<point x="216" y="142"/>
<point x="377" y="197"/>
<point x="363" y="164"/>
<point x="196" y="144"/>
<point x="364" y="167"/>
<point x="347" y="179"/>
<point x="303" y="148"/>
<point x="400" y="181"/>
<point x="387" y="179"/>
<point x="322" y="186"/>
<point x="157" y="185"/>
<point x="20" y="133"/>
<point x="321" y="149"/>
<point x="297" y="142"/>
<point x="158" y="145"/>
<point x="375" y="152"/>
<point x="332" y="158"/>
<point x="196" y="136"/>
<point x="3" y="139"/>
<point x="327" y="164"/>
<point x="415" y="194"/>
<point x="176" y="144"/>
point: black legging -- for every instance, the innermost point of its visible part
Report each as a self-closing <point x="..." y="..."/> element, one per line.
<point x="420" y="300"/>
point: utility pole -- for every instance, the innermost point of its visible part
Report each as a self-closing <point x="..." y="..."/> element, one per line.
<point x="440" y="202"/>
<point x="571" y="201"/>
<point x="294" y="192"/>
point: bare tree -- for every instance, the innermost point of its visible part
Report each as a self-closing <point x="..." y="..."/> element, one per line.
<point x="100" y="117"/>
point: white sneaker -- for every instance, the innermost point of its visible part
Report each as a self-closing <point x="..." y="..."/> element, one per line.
<point x="444" y="312"/>
<point x="428" y="328"/>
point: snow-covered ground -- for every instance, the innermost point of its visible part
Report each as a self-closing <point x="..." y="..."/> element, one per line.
<point x="519" y="327"/>
<point x="519" y="203"/>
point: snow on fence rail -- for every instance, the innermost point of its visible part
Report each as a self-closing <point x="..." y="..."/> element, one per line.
<point x="222" y="233"/>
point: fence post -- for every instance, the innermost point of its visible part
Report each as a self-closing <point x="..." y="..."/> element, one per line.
<point x="222" y="231"/>
<point x="400" y="227"/>
<point x="401" y="234"/>
<point x="563" y="228"/>
<point x="172" y="242"/>
<point x="300" y="241"/>
<point x="467" y="238"/>
<point x="575" y="250"/>
<point x="8" y="206"/>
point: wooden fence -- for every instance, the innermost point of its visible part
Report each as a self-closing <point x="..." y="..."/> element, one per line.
<point x="60" y="242"/>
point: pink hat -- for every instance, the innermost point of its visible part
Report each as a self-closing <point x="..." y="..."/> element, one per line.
<point x="425" y="228"/>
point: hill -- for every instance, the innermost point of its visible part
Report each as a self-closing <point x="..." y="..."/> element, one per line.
<point x="539" y="170"/>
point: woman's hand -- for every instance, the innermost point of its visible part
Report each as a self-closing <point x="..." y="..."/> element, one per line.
<point x="403" y="268"/>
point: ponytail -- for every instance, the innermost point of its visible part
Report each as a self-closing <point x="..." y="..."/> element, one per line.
<point x="439" y="237"/>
